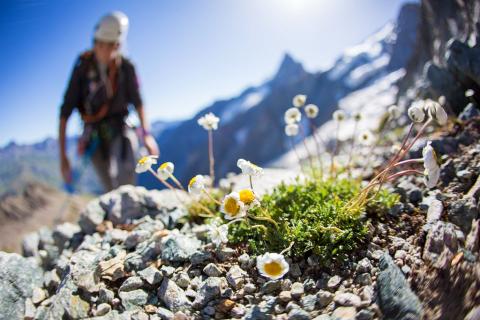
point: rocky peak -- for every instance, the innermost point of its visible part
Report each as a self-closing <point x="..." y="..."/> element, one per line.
<point x="289" y="70"/>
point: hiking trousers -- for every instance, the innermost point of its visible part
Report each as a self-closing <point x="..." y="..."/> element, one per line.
<point x="117" y="170"/>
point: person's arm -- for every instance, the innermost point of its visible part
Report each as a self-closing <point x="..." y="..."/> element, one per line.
<point x="64" y="163"/>
<point x="148" y="139"/>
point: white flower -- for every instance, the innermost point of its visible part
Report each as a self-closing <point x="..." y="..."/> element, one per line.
<point x="416" y="113"/>
<point x="366" y="138"/>
<point x="469" y="93"/>
<point x="436" y="112"/>
<point x="272" y="265"/>
<point x="209" y="121"/>
<point x="430" y="160"/>
<point x="218" y="234"/>
<point x="431" y="177"/>
<point x="299" y="100"/>
<point x="145" y="163"/>
<point x="357" y="116"/>
<point x="196" y="184"/>
<point x="394" y="112"/>
<point x="339" y="115"/>
<point x="311" y="111"/>
<point x="291" y="129"/>
<point x="442" y="100"/>
<point x="292" y="115"/>
<point x="233" y="207"/>
<point x="249" y="168"/>
<point x="165" y="170"/>
<point x="224" y="184"/>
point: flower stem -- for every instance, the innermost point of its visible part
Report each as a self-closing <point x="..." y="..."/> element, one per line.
<point x="308" y="151"/>
<point x="352" y="146"/>
<point x="287" y="248"/>
<point x="210" y="156"/>
<point x="250" y="180"/>
<point x="317" y="144"/>
<point x="263" y="219"/>
<point x="332" y="166"/>
<point x="211" y="198"/>
<point x="298" y="156"/>
<point x="177" y="182"/>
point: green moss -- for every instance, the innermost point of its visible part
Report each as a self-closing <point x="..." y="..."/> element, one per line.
<point x="313" y="216"/>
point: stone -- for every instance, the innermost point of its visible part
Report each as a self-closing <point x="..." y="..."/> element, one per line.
<point x="225" y="253"/>
<point x="30" y="245"/>
<point x="344" y="313"/>
<point x="167" y="271"/>
<point x="113" y="269"/>
<point x="309" y="301"/>
<point x="200" y="257"/>
<point x="435" y="210"/>
<point x="441" y="237"/>
<point x="212" y="270"/>
<point x="271" y="286"/>
<point x="256" y="313"/>
<point x="462" y="212"/>
<point x="179" y="248"/>
<point x="29" y="310"/>
<point x="473" y="239"/>
<point x="250" y="288"/>
<point x="136" y="237"/>
<point x="324" y="298"/>
<point x="295" y="270"/>
<point x="396" y="299"/>
<point x="323" y="317"/>
<point x="347" y="299"/>
<point x="367" y="294"/>
<point x="236" y="277"/>
<point x="183" y="280"/>
<point x="91" y="217"/>
<point x="238" y="311"/>
<point x="102" y="309"/>
<point x="18" y="278"/>
<point x="364" y="265"/>
<point x="334" y="282"/>
<point x="151" y="275"/>
<point x="208" y="290"/>
<point x="298" y="314"/>
<point x="173" y="296"/>
<point x="131" y="283"/>
<point x="64" y="233"/>
<point x="105" y="295"/>
<point x="225" y="305"/>
<point x="133" y="299"/>
<point x="245" y="261"/>
<point x="165" y="314"/>
<point x="297" y="290"/>
<point x="400" y="254"/>
<point x="364" y="314"/>
<point x="285" y="296"/>
<point x="364" y="279"/>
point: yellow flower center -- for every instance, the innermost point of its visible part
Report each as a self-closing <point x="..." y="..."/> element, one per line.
<point x="273" y="269"/>
<point x="192" y="181"/>
<point x="231" y="206"/>
<point x="164" y="165"/>
<point x="143" y="160"/>
<point x="247" y="196"/>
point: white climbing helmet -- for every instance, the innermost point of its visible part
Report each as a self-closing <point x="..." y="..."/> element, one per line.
<point x="112" y="27"/>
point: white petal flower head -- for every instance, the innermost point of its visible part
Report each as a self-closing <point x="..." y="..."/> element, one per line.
<point x="436" y="112"/>
<point x="431" y="177"/>
<point x="366" y="138"/>
<point x="430" y="160"/>
<point x="442" y="100"/>
<point x="209" y="121"/>
<point x="272" y="265"/>
<point x="196" y="184"/>
<point x="311" y="111"/>
<point x="357" y="116"/>
<point x="292" y="115"/>
<point x="145" y="163"/>
<point x="416" y="113"/>
<point x="339" y="116"/>
<point x="232" y="207"/>
<point x="291" y="129"/>
<point x="299" y="100"/>
<point x="394" y="112"/>
<point x="469" y="93"/>
<point x="249" y="168"/>
<point x="218" y="234"/>
<point x="165" y="170"/>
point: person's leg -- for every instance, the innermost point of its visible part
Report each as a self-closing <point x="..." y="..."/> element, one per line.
<point x="123" y="160"/>
<point x="102" y="168"/>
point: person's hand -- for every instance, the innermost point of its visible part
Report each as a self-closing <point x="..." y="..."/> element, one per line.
<point x="65" y="169"/>
<point x="151" y="145"/>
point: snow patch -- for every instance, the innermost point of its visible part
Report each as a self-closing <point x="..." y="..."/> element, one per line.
<point x="244" y="103"/>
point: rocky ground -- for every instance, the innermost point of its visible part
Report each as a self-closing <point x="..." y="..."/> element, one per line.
<point x="129" y="258"/>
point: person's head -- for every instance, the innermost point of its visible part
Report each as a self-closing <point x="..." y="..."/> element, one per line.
<point x="110" y="34"/>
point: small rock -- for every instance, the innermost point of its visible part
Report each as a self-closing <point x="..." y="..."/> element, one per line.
<point x="225" y="305"/>
<point x="309" y="301"/>
<point x="131" y="283"/>
<point x="183" y="280"/>
<point x="400" y="254"/>
<point x="295" y="270"/>
<point x="344" y="313"/>
<point x="238" y="311"/>
<point x="285" y="296"/>
<point x="200" y="258"/>
<point x="212" y="270"/>
<point x="406" y="269"/>
<point x="347" y="299"/>
<point x="441" y="237"/>
<point x="367" y="294"/>
<point x="105" y="295"/>
<point x="298" y="314"/>
<point x="245" y="261"/>
<point x="364" y="265"/>
<point x="179" y="248"/>
<point x="297" y="290"/>
<point x="151" y="309"/>
<point x="208" y="290"/>
<point x="135" y="237"/>
<point x="324" y="298"/>
<point x="172" y="295"/>
<point x="334" y="282"/>
<point x="151" y="275"/>
<point x="364" y="279"/>
<point x="364" y="314"/>
<point x="462" y="212"/>
<point x="250" y="288"/>
<point x="102" y="309"/>
<point x="435" y="210"/>
<point x="112" y="269"/>
<point x="473" y="239"/>
<point x="236" y="277"/>
<point x="225" y="253"/>
<point x="133" y="299"/>
<point x="38" y="295"/>
<point x="165" y="314"/>
<point x="271" y="286"/>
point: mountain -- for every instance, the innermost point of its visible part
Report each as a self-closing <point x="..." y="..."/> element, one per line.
<point x="251" y="124"/>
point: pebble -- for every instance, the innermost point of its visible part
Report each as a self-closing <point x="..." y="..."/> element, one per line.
<point x="298" y="314"/>
<point x="151" y="275"/>
<point x="238" y="311"/>
<point x="344" y="313"/>
<point x="334" y="282"/>
<point x="297" y="290"/>
<point x="285" y="296"/>
<point x="236" y="277"/>
<point x="364" y="279"/>
<point x="131" y="283"/>
<point x="324" y="298"/>
<point x="250" y="288"/>
<point x="309" y="301"/>
<point x="102" y="309"/>
<point x="347" y="299"/>
<point x="364" y="315"/>
<point x="212" y="270"/>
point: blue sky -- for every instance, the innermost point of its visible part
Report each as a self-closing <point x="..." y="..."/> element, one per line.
<point x="188" y="53"/>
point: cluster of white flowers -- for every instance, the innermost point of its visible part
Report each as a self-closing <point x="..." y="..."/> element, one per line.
<point x="209" y="121"/>
<point x="299" y="100"/>
<point x="293" y="116"/>
<point x="435" y="111"/>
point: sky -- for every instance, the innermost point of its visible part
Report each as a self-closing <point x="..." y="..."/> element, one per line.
<point x="188" y="53"/>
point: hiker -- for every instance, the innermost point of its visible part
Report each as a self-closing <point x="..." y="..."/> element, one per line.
<point x="102" y="86"/>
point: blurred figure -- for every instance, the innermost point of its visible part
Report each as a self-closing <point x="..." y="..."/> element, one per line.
<point x="102" y="86"/>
